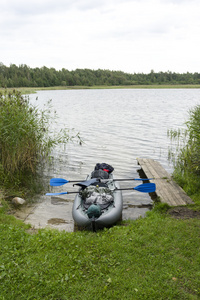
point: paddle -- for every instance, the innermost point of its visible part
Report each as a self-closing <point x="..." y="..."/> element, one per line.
<point x="57" y="194"/>
<point x="61" y="181"/>
<point x="145" y="188"/>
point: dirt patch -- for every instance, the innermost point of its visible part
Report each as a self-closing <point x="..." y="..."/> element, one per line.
<point x="56" y="221"/>
<point x="183" y="213"/>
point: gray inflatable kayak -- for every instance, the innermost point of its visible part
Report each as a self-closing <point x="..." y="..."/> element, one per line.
<point x="98" y="205"/>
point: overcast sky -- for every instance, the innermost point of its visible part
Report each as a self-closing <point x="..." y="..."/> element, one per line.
<point x="128" y="35"/>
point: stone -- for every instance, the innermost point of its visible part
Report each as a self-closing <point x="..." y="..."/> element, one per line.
<point x="18" y="201"/>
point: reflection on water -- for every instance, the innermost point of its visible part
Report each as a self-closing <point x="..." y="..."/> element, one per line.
<point x="117" y="126"/>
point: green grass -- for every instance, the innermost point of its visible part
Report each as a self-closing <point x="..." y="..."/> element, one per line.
<point x="152" y="258"/>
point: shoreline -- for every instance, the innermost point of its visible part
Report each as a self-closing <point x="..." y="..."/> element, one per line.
<point x="32" y="90"/>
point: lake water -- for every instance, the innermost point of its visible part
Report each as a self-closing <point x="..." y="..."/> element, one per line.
<point x="117" y="126"/>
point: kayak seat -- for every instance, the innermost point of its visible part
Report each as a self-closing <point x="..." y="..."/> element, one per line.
<point x="100" y="184"/>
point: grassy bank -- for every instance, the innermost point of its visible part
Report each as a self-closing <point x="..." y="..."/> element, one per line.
<point x="152" y="258"/>
<point x="29" y="90"/>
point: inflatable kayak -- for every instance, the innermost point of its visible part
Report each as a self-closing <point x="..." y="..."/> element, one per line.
<point x="100" y="203"/>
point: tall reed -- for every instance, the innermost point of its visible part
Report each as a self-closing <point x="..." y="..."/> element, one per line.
<point x="25" y="137"/>
<point x="186" y="157"/>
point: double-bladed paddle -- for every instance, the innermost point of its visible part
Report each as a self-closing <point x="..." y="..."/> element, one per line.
<point x="145" y="188"/>
<point x="61" y="181"/>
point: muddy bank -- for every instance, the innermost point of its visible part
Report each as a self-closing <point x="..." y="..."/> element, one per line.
<point x="183" y="212"/>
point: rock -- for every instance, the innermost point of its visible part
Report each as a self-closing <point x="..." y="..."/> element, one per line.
<point x="18" y="201"/>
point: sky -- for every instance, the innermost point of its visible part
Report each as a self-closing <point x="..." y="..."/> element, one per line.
<point x="133" y="36"/>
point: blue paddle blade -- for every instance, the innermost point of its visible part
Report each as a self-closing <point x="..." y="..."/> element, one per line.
<point x="146" y="188"/>
<point x="58" y="181"/>
<point x="56" y="194"/>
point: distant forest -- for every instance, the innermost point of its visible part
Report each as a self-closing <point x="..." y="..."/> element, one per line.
<point x="24" y="76"/>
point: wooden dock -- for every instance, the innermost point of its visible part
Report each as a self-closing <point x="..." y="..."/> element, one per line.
<point x="166" y="189"/>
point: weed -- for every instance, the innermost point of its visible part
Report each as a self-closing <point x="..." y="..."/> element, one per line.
<point x="161" y="207"/>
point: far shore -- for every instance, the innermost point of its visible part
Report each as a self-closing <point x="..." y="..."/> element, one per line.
<point x="31" y="90"/>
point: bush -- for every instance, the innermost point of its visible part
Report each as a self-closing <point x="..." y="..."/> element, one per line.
<point x="25" y="137"/>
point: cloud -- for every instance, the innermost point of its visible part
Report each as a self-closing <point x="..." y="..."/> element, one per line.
<point x="122" y="34"/>
<point x="36" y="7"/>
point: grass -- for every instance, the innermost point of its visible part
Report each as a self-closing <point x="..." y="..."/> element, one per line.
<point x="152" y="258"/>
<point x="31" y="90"/>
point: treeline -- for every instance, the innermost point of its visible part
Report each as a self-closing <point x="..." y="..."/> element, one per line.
<point x="24" y="76"/>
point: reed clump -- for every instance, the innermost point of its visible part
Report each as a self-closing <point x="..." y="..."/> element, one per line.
<point x="186" y="155"/>
<point x="25" y="138"/>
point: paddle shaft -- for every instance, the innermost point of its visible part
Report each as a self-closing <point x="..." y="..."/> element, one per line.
<point x="127" y="179"/>
<point x="61" y="181"/>
<point x="127" y="189"/>
<point x="145" y="188"/>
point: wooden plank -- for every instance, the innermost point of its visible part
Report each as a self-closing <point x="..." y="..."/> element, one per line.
<point x="161" y="190"/>
<point x="168" y="191"/>
<point x="171" y="193"/>
<point x="174" y="190"/>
